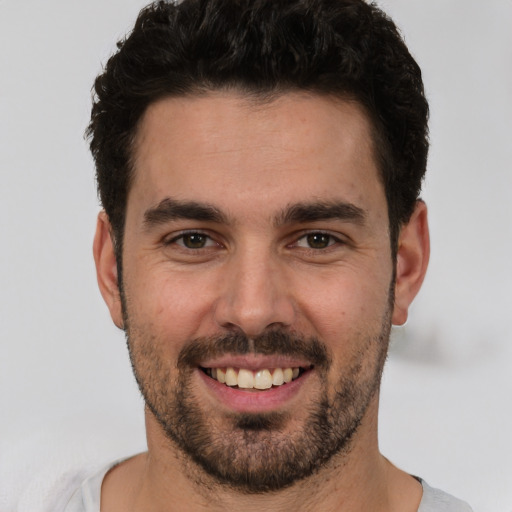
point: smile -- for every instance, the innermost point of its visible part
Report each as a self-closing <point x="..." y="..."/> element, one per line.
<point x="261" y="379"/>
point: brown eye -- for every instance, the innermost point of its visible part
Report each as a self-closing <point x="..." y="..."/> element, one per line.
<point x="319" y="240"/>
<point x="193" y="240"/>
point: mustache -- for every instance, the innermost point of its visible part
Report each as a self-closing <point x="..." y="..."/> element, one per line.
<point x="274" y="342"/>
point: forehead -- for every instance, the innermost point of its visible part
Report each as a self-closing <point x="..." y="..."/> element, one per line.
<point x="227" y="149"/>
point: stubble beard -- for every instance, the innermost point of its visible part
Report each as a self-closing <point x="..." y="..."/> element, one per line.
<point x="256" y="453"/>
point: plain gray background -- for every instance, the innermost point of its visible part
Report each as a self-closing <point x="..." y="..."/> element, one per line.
<point x="66" y="390"/>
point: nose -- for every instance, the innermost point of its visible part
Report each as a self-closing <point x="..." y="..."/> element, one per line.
<point x="254" y="295"/>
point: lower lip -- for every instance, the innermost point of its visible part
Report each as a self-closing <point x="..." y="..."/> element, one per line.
<point x="255" y="401"/>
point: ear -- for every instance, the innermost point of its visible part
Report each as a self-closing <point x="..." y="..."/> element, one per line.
<point x="412" y="261"/>
<point x="106" y="268"/>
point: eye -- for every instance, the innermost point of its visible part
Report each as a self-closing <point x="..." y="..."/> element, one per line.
<point x="316" y="240"/>
<point x="193" y="240"/>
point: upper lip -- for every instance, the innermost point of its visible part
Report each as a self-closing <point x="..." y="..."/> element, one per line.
<point x="255" y="362"/>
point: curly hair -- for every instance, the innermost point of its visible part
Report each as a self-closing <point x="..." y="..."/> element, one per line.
<point x="263" y="48"/>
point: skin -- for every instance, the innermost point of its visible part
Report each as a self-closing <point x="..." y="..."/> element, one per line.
<point x="252" y="162"/>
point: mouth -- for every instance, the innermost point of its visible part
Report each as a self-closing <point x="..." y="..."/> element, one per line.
<point x="256" y="383"/>
<point x="255" y="380"/>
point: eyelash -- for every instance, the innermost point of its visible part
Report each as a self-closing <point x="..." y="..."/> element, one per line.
<point x="331" y="240"/>
<point x="183" y="234"/>
<point x="210" y="242"/>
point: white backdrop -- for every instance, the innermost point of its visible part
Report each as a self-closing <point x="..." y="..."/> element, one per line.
<point x="66" y="390"/>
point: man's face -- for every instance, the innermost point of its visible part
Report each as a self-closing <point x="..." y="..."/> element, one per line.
<point x="257" y="246"/>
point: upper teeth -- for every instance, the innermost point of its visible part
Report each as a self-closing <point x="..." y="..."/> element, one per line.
<point x="248" y="379"/>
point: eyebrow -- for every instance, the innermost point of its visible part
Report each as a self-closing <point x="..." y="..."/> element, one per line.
<point x="169" y="209"/>
<point x="316" y="211"/>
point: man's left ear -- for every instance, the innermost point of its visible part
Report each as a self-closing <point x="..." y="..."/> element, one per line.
<point x="411" y="262"/>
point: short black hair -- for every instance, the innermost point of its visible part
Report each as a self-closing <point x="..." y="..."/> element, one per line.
<point x="345" y="48"/>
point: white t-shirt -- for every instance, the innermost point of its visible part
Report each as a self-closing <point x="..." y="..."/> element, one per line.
<point x="87" y="497"/>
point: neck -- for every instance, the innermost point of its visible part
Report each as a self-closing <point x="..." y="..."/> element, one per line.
<point x="164" y="479"/>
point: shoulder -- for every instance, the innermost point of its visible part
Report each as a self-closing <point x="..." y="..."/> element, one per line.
<point x="87" y="496"/>
<point x="435" y="500"/>
<point x="72" y="490"/>
<point x="42" y="465"/>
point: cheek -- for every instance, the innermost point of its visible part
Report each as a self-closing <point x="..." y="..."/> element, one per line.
<point x="345" y="305"/>
<point x="174" y="307"/>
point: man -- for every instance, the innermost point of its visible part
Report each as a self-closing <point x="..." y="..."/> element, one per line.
<point x="259" y="164"/>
